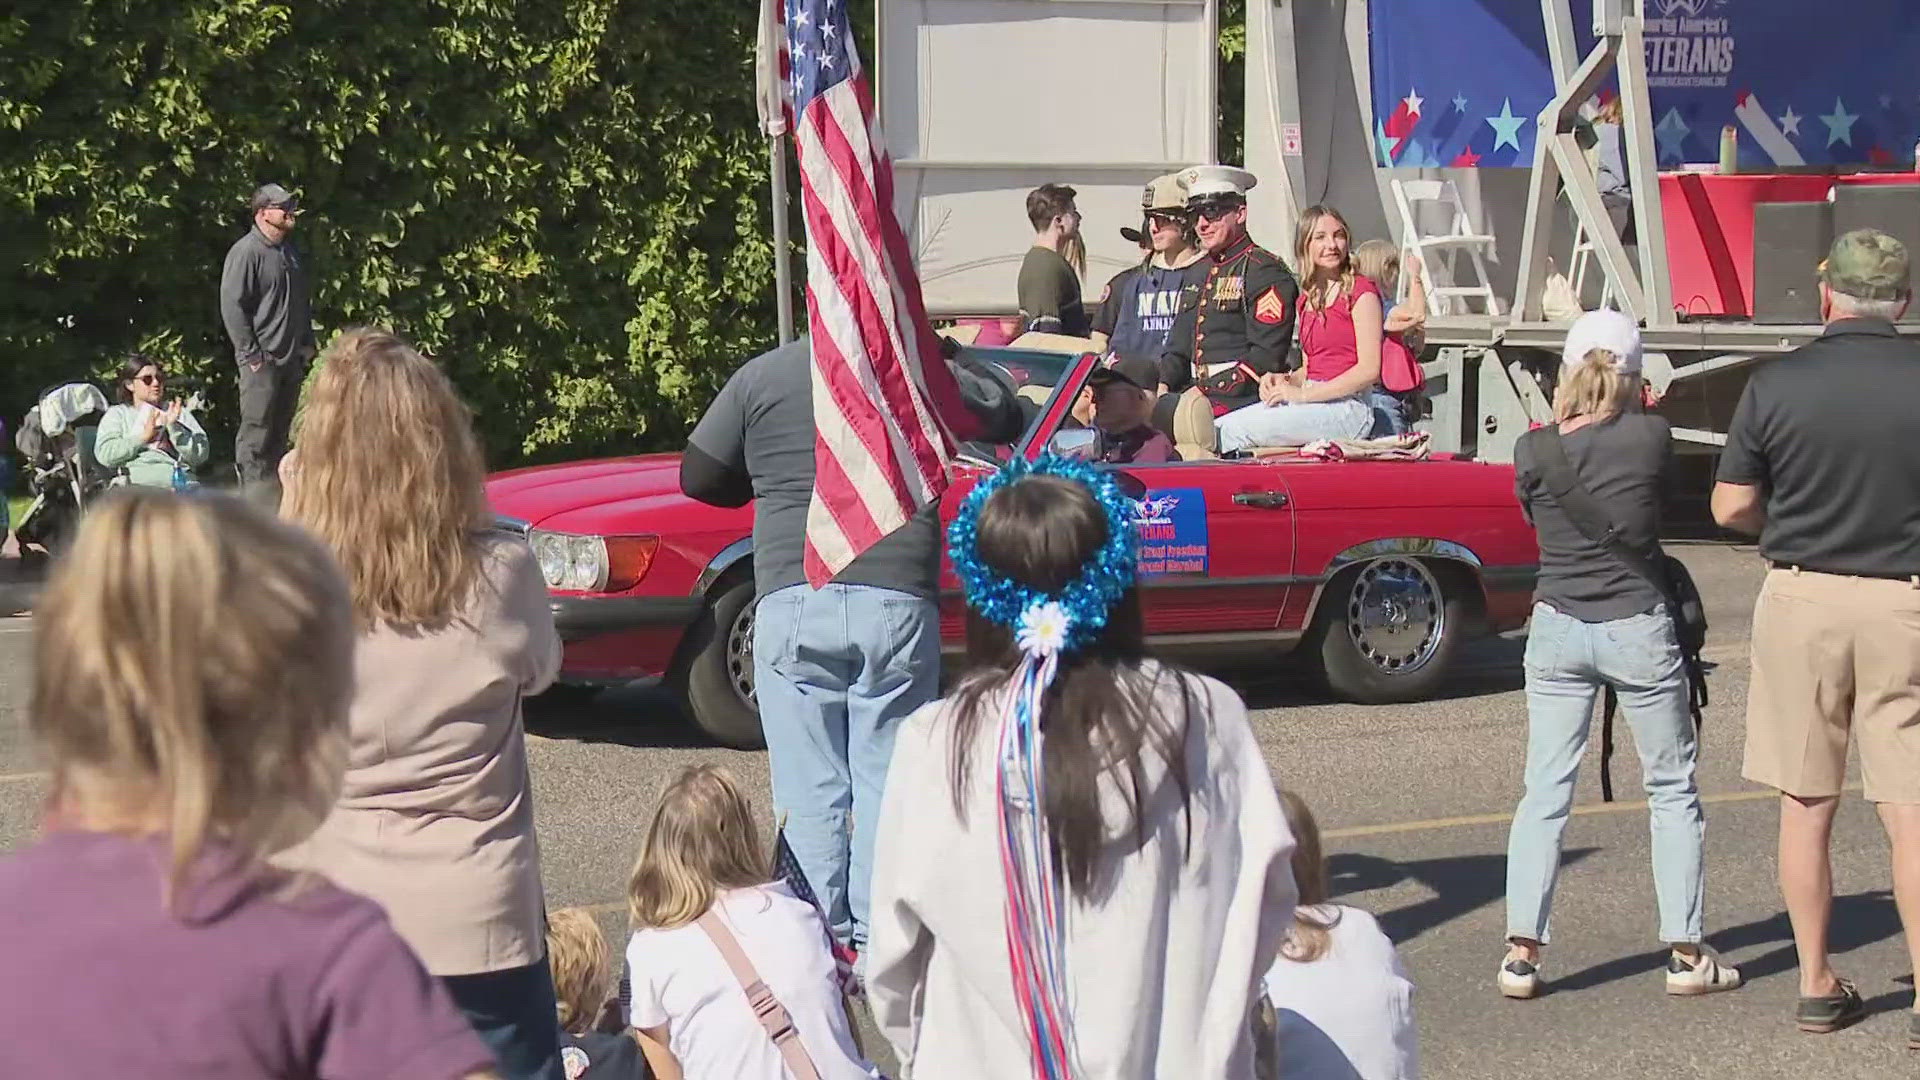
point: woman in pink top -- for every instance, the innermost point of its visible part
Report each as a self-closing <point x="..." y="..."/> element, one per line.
<point x="1341" y="325"/>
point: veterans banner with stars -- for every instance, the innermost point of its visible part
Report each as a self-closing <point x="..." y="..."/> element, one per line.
<point x="1461" y="83"/>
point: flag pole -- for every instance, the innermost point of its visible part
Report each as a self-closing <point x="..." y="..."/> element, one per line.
<point x="782" y="265"/>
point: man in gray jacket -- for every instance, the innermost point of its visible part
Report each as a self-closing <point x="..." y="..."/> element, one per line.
<point x="265" y="304"/>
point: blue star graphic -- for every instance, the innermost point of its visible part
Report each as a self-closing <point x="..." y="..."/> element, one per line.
<point x="1459" y="103"/>
<point x="1672" y="134"/>
<point x="1381" y="144"/>
<point x="1506" y="127"/>
<point x="1419" y="155"/>
<point x="1839" y="124"/>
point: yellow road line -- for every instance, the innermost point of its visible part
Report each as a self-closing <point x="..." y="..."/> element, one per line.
<point x="1587" y="810"/>
<point x="1465" y="820"/>
<point x="8" y="778"/>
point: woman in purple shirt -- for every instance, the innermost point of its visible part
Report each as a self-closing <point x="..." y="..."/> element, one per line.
<point x="191" y="673"/>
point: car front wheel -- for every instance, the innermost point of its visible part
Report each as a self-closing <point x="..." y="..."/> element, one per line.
<point x="717" y="670"/>
<point x="1386" y="631"/>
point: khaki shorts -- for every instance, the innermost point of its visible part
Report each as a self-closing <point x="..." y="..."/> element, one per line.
<point x="1835" y="655"/>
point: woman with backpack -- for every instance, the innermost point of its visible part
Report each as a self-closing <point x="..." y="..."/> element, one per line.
<point x="1600" y="623"/>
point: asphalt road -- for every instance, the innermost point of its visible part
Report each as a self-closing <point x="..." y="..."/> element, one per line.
<point x="1415" y="800"/>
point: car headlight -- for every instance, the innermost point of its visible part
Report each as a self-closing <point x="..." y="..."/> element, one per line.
<point x="592" y="563"/>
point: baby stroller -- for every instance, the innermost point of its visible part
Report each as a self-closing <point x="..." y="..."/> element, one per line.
<point x="62" y="476"/>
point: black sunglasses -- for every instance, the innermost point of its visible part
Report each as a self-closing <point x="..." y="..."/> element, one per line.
<point x="1215" y="209"/>
<point x="1167" y="217"/>
<point x="151" y="380"/>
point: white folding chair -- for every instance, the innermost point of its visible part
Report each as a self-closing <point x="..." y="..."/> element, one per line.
<point x="1440" y="251"/>
<point x="1585" y="254"/>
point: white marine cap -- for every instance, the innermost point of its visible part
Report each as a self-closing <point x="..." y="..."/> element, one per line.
<point x="1201" y="181"/>
<point x="1603" y="329"/>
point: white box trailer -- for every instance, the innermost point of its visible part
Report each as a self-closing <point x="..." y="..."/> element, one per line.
<point x="982" y="101"/>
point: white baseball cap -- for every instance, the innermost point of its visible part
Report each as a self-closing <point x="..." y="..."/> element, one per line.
<point x="1201" y="181"/>
<point x="1604" y="329"/>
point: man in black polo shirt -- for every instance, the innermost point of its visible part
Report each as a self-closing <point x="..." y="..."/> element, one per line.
<point x="1821" y="463"/>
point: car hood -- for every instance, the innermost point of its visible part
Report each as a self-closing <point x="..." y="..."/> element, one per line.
<point x="578" y="496"/>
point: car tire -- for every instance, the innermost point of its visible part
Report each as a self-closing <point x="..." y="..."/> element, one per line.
<point x="1386" y="631"/>
<point x="716" y="671"/>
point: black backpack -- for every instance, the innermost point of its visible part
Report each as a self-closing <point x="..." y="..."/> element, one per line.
<point x="1668" y="575"/>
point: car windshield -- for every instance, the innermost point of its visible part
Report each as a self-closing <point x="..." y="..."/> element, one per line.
<point x="1033" y="375"/>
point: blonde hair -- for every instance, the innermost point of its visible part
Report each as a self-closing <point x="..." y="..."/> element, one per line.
<point x="1317" y="298"/>
<point x="582" y="967"/>
<point x="1379" y="262"/>
<point x="191" y="677"/>
<point x="1311" y="934"/>
<point x="702" y="840"/>
<point x="1595" y="387"/>
<point x="388" y="474"/>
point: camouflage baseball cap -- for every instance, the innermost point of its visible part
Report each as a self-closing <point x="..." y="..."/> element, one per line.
<point x="1869" y="265"/>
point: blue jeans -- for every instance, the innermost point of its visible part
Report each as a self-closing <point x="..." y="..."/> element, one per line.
<point x="1388" y="416"/>
<point x="1260" y="424"/>
<point x="835" y="671"/>
<point x="513" y="1010"/>
<point x="1568" y="662"/>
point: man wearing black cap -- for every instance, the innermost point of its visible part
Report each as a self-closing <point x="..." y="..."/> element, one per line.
<point x="1122" y="406"/>
<point x="265" y="304"/>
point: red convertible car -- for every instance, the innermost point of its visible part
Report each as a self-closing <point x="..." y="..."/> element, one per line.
<point x="1375" y="571"/>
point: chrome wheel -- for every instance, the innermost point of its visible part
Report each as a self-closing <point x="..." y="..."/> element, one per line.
<point x="1396" y="615"/>
<point x="740" y="654"/>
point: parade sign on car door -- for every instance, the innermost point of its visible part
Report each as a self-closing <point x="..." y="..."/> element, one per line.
<point x="1173" y="531"/>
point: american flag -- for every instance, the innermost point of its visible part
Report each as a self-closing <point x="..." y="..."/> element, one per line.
<point x="786" y="867"/>
<point x="883" y="398"/>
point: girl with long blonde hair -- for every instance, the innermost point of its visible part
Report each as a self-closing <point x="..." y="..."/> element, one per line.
<point x="190" y="681"/>
<point x="436" y="821"/>
<point x="1342" y="1001"/>
<point x="699" y="889"/>
<point x="1341" y="324"/>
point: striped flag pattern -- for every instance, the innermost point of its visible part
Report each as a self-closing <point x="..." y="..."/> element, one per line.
<point x="883" y="398"/>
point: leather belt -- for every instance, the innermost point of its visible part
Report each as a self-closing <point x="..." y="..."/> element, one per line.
<point x="1799" y="569"/>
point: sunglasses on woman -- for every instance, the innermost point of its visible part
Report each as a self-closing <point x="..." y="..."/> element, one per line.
<point x="1171" y="220"/>
<point x="151" y="380"/>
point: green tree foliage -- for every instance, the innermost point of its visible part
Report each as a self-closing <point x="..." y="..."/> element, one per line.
<point x="1231" y="114"/>
<point x="562" y="200"/>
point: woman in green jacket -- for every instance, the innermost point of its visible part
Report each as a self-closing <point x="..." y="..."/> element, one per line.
<point x="147" y="436"/>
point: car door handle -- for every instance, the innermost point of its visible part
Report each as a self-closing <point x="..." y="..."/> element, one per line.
<point x="1265" y="500"/>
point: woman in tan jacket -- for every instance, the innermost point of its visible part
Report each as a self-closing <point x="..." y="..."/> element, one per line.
<point x="436" y="819"/>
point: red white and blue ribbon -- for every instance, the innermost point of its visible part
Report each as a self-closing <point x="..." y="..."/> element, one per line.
<point x="1035" y="914"/>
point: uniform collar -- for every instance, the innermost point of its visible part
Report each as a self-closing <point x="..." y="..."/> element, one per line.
<point x="1864" y="324"/>
<point x="1245" y="245"/>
